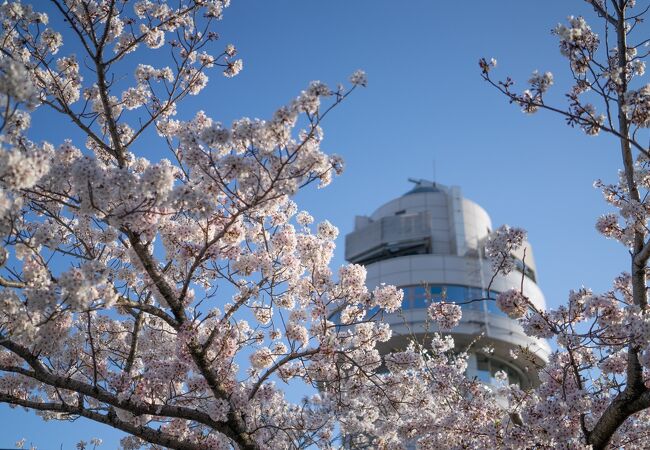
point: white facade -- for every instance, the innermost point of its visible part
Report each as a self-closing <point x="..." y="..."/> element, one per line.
<point x="430" y="242"/>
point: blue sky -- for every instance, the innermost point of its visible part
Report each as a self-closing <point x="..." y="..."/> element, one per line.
<point x="425" y="104"/>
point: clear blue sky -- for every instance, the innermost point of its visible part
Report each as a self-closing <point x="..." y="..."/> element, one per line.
<point x="425" y="102"/>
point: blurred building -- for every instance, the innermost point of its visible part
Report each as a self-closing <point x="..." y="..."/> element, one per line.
<point x="430" y="242"/>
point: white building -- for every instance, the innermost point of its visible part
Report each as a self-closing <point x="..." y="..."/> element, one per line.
<point x="432" y="238"/>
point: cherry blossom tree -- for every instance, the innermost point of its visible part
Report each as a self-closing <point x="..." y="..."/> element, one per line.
<point x="133" y="290"/>
<point x="595" y="392"/>
<point x="173" y="299"/>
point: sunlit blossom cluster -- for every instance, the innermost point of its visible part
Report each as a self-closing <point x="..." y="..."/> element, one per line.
<point x="445" y="315"/>
<point x="501" y="245"/>
<point x="513" y="303"/>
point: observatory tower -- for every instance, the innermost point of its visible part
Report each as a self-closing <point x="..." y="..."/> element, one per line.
<point x="431" y="238"/>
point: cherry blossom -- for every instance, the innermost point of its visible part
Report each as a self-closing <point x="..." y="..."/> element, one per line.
<point x="178" y="299"/>
<point x="446" y="315"/>
<point x="513" y="303"/>
<point x="594" y="391"/>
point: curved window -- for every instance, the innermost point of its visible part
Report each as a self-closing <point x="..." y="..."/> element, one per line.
<point x="521" y="267"/>
<point x="469" y="298"/>
<point x="487" y="367"/>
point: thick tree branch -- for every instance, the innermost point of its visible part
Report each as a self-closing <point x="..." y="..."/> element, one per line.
<point x="148" y="434"/>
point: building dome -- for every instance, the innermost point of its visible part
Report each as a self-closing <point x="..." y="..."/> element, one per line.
<point x="430" y="243"/>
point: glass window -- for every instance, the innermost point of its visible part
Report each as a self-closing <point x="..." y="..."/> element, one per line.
<point x="475" y="295"/>
<point x="523" y="268"/>
<point x="482" y="362"/>
<point x="406" y="301"/>
<point x="483" y="368"/>
<point x="492" y="307"/>
<point x="513" y="375"/>
<point x="420" y="297"/>
<point x="436" y="293"/>
<point x="456" y="293"/>
<point x="487" y="368"/>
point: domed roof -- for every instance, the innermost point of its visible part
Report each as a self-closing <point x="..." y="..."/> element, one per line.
<point x="422" y="186"/>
